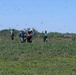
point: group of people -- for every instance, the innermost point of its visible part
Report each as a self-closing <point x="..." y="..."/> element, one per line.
<point x="24" y="35"/>
<point x="27" y="35"/>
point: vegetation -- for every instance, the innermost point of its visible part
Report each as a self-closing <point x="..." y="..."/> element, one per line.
<point x="55" y="57"/>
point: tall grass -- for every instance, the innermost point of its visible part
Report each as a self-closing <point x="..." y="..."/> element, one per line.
<point x="55" y="57"/>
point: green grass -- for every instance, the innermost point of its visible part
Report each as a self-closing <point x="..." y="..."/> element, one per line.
<point x="56" y="57"/>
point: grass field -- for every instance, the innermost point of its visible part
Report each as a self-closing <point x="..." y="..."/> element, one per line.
<point x="56" y="57"/>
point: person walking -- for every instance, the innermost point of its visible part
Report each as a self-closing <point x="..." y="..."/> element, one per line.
<point x="12" y="34"/>
<point x="21" y="36"/>
<point x="45" y="37"/>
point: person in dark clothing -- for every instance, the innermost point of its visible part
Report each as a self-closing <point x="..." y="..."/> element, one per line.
<point x="12" y="34"/>
<point x="45" y="36"/>
<point x="30" y="35"/>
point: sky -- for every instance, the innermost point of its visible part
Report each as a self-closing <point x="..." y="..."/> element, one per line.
<point x="50" y="15"/>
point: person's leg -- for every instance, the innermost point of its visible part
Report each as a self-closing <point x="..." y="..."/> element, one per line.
<point x="44" y="38"/>
<point x="24" y="39"/>
<point x="27" y="39"/>
<point x="12" y="37"/>
<point x="30" y="39"/>
<point x="21" y="39"/>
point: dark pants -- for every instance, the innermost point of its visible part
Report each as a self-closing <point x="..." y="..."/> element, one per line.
<point x="29" y="39"/>
<point x="45" y="38"/>
<point x="12" y="37"/>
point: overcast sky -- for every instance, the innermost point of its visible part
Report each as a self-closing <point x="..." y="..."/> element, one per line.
<point x="50" y="15"/>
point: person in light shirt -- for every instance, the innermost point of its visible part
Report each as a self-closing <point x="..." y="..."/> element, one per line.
<point x="12" y="34"/>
